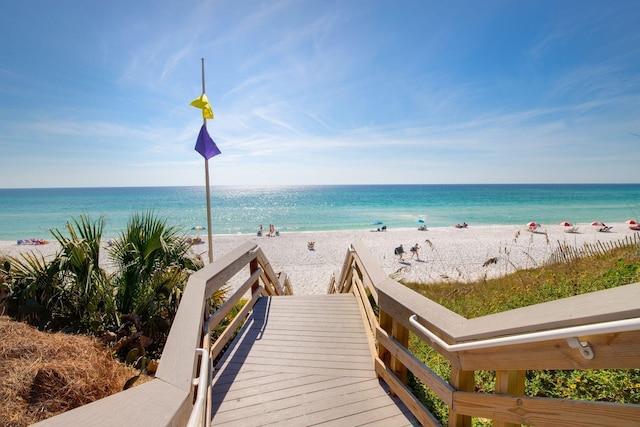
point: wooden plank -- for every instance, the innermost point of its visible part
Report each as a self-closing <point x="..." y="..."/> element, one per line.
<point x="401" y="335"/>
<point x="259" y="401"/>
<point x="243" y="382"/>
<point x="266" y="386"/>
<point x="401" y="303"/>
<point x="345" y="272"/>
<point x="302" y="339"/>
<point x="230" y="330"/>
<point x="417" y="408"/>
<point x="509" y="383"/>
<point x="367" y="410"/>
<point x="465" y="381"/>
<point x="367" y="314"/>
<point x="223" y="269"/>
<point x="622" y="302"/>
<point x="321" y="348"/>
<point x="309" y="406"/>
<point x="546" y="412"/>
<point x="321" y="368"/>
<point x="178" y="362"/>
<point x="163" y="403"/>
<point x="287" y="358"/>
<point x="612" y="351"/>
<point x="421" y="371"/>
<point x="366" y="280"/>
<point x="328" y="346"/>
<point x="284" y="356"/>
<point x="391" y="421"/>
<point x="271" y="276"/>
<point x="231" y="302"/>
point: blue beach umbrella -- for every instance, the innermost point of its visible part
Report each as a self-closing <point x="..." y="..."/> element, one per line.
<point x="420" y="220"/>
<point x="378" y="223"/>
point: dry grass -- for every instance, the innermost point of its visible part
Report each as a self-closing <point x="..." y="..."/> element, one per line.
<point x="45" y="374"/>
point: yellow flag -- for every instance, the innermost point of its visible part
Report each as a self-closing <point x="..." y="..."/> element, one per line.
<point x="202" y="102"/>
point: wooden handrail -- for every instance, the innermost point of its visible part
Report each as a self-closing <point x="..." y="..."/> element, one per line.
<point x="168" y="399"/>
<point x="568" y="333"/>
<point x="448" y="332"/>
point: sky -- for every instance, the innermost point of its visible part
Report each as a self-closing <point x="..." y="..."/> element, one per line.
<point x="307" y="92"/>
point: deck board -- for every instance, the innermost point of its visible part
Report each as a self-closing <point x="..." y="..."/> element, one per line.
<point x="303" y="361"/>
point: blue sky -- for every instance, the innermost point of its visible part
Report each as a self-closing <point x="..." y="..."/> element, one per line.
<point x="319" y="92"/>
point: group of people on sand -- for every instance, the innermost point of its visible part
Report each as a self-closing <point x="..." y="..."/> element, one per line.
<point x="272" y="231"/>
<point x="463" y="225"/>
<point x="414" y="252"/>
<point x="32" y="242"/>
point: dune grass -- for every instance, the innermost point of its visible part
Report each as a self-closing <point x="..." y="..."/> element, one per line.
<point x="44" y="374"/>
<point x="617" y="267"/>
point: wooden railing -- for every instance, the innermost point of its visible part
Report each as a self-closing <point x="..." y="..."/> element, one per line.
<point x="606" y="324"/>
<point x="392" y="312"/>
<point x="168" y="400"/>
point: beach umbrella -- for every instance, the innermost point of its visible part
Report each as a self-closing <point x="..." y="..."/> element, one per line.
<point x="378" y="223"/>
<point x="565" y="223"/>
<point x="207" y="149"/>
<point x="420" y="220"/>
<point x="198" y="227"/>
<point x="598" y="224"/>
<point x="533" y="224"/>
<point x="631" y="222"/>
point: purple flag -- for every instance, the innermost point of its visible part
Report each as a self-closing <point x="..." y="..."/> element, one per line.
<point x="205" y="145"/>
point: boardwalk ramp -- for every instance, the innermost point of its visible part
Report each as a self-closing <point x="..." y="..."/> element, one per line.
<point x="331" y="359"/>
<point x="303" y="361"/>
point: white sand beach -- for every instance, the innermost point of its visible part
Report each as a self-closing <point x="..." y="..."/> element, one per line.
<point x="446" y="253"/>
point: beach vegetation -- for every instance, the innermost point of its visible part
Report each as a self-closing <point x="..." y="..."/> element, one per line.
<point x="87" y="302"/>
<point x="147" y="250"/>
<point x="44" y="374"/>
<point x="551" y="281"/>
<point x="132" y="308"/>
<point x="32" y="292"/>
<point x="153" y="264"/>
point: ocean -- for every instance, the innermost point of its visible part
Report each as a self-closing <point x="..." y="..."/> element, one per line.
<point x="31" y="213"/>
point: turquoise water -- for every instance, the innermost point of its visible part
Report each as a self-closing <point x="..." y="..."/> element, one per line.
<point x="30" y="213"/>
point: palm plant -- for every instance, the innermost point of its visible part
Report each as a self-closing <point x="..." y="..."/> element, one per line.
<point x="71" y="291"/>
<point x="33" y="289"/>
<point x="88" y="292"/>
<point x="147" y="245"/>
<point x="5" y="281"/>
<point x="152" y="261"/>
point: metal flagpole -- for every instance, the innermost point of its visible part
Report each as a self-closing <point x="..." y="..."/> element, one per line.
<point x="206" y="173"/>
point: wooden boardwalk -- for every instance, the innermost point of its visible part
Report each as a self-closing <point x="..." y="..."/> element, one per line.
<point x="303" y="361"/>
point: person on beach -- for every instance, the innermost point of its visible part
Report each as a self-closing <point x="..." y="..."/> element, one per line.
<point x="414" y="251"/>
<point x="399" y="251"/>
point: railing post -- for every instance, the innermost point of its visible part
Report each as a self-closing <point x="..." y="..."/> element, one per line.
<point x="253" y="267"/>
<point x="386" y="323"/>
<point x="461" y="381"/>
<point x="512" y="383"/>
<point x="401" y="334"/>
